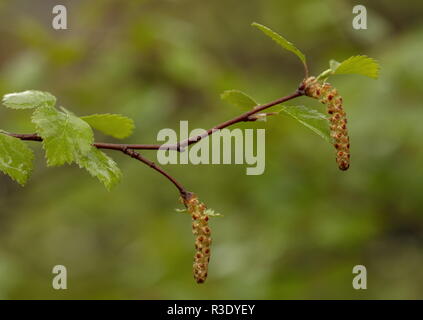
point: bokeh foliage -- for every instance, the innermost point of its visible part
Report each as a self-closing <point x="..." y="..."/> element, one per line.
<point x="294" y="232"/>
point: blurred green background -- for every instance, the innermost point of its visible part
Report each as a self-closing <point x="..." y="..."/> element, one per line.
<point x="294" y="232"/>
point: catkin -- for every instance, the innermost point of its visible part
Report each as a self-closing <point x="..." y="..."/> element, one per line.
<point x="201" y="230"/>
<point x="326" y="94"/>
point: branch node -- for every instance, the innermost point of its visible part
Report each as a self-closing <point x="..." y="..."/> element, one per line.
<point x="301" y="89"/>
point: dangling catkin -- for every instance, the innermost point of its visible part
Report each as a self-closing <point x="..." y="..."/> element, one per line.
<point x="329" y="96"/>
<point x="201" y="230"/>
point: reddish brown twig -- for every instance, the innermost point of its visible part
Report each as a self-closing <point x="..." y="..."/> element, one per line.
<point x="128" y="149"/>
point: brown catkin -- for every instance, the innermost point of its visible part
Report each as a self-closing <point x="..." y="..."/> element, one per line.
<point x="201" y="230"/>
<point x="326" y="94"/>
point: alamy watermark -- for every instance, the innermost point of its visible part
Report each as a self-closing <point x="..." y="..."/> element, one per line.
<point x="60" y="20"/>
<point x="360" y="280"/>
<point x="221" y="147"/>
<point x="360" y="20"/>
<point x="60" y="281"/>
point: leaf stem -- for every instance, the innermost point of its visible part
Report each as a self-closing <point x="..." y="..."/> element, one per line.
<point x="325" y="74"/>
<point x="306" y="72"/>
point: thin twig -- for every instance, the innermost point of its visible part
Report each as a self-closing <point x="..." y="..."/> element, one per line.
<point x="151" y="164"/>
<point x="119" y="147"/>
<point x="242" y="117"/>
<point x="187" y="142"/>
<point x="128" y="149"/>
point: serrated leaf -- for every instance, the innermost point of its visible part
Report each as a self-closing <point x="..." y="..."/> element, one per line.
<point x="101" y="166"/>
<point x="15" y="158"/>
<point x="28" y="99"/>
<point x="239" y="99"/>
<point x="281" y="41"/>
<point x="356" y="65"/>
<point x="114" y="125"/>
<point x="310" y="118"/>
<point x="65" y="136"/>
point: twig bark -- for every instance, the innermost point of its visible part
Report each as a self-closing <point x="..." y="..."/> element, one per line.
<point x="128" y="149"/>
<point x="133" y="154"/>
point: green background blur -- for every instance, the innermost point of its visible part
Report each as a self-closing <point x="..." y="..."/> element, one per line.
<point x="294" y="232"/>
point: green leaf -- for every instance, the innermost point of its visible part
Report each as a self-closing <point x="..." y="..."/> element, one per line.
<point x="15" y="158"/>
<point x="310" y="118"/>
<point x="356" y="65"/>
<point x="114" y="125"/>
<point x="65" y="136"/>
<point x="239" y="99"/>
<point x="99" y="165"/>
<point x="281" y="41"/>
<point x="67" y="139"/>
<point x="28" y="99"/>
